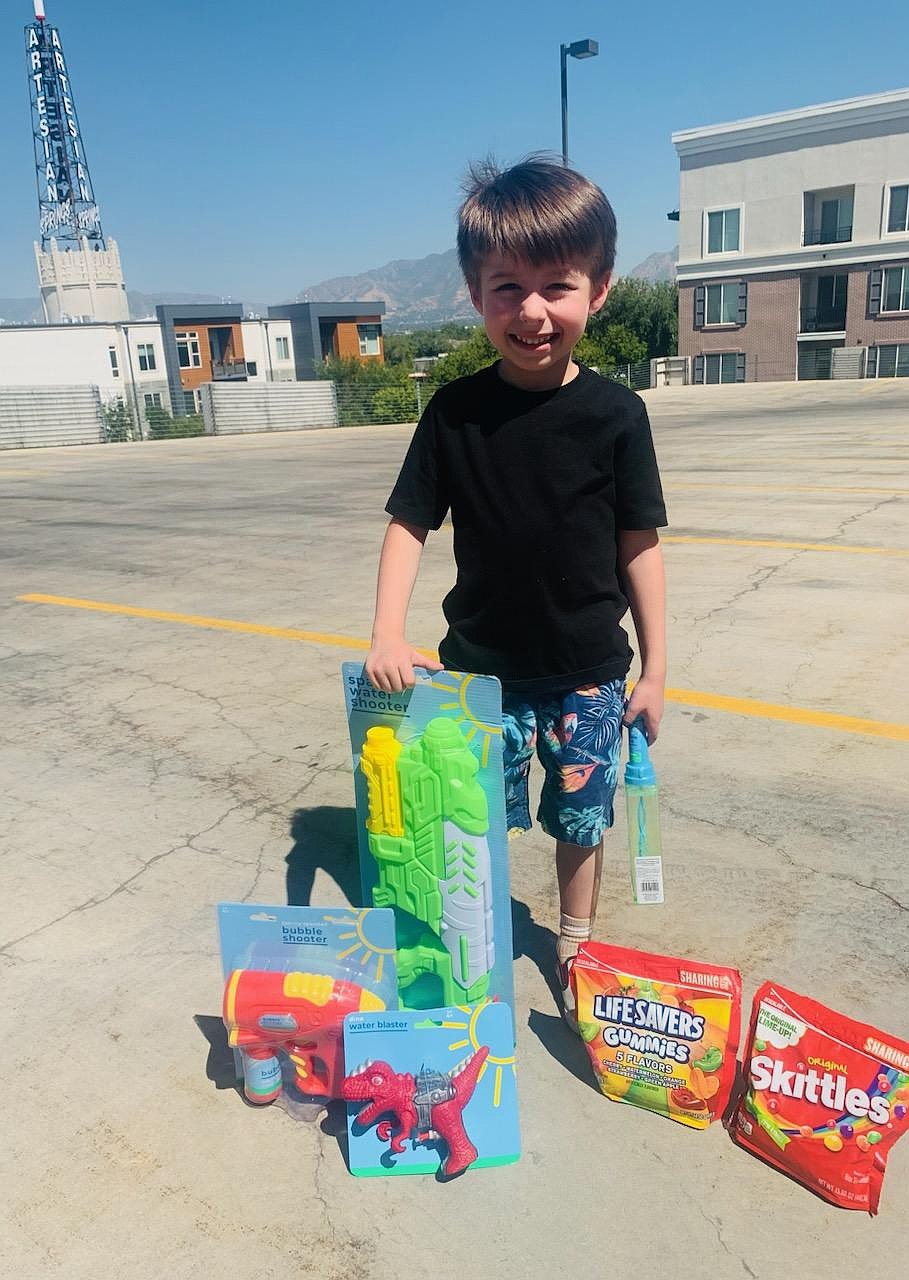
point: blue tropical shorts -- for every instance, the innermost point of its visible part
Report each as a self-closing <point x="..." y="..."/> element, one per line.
<point x="577" y="736"/>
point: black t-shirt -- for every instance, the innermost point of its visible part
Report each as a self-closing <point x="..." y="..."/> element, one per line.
<point x="538" y="484"/>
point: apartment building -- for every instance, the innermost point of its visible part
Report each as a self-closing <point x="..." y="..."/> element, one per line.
<point x="794" y="243"/>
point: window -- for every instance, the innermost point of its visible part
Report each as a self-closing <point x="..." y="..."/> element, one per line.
<point x="722" y="304"/>
<point x="189" y="402"/>
<point x="252" y="368"/>
<point x="723" y="228"/>
<point x="720" y="366"/>
<point x="188" y="354"/>
<point x="153" y="399"/>
<point x="898" y="217"/>
<point x="896" y="289"/>
<point x="282" y="348"/>
<point x="725" y="303"/>
<point x="369" y="339"/>
<point x="114" y="362"/>
<point x="147" y="356"/>
<point x="828" y="216"/>
<point x="890" y="361"/>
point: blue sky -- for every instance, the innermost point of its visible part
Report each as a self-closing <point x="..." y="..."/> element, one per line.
<point x="250" y="150"/>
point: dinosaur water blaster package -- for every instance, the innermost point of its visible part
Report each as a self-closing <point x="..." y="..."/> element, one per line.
<point x="661" y="1032"/>
<point x="430" y="794"/>
<point x="291" y="975"/>
<point x="827" y="1097"/>
<point x="431" y="1091"/>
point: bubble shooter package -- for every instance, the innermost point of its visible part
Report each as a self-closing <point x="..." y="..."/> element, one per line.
<point x="661" y="1032"/>
<point x="826" y="1097"/>
<point x="291" y="975"/>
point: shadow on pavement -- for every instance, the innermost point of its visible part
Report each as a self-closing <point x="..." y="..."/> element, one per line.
<point x="220" y="1065"/>
<point x="326" y="837"/>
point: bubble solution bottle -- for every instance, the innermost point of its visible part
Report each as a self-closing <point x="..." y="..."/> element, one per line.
<point x="642" y="801"/>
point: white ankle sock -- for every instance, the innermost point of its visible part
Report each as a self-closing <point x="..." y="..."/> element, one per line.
<point x="572" y="932"/>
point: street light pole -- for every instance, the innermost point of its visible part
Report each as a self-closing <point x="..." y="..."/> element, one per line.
<point x="577" y="49"/>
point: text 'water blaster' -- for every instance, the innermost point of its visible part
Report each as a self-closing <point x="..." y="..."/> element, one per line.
<point x="643" y="805"/>
<point x="268" y="1012"/>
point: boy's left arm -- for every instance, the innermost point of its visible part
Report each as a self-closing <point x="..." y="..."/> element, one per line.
<point x="641" y="568"/>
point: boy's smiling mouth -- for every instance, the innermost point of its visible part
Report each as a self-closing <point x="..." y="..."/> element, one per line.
<point x="539" y="340"/>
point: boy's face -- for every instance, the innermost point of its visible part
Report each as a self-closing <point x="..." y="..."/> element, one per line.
<point x="534" y="315"/>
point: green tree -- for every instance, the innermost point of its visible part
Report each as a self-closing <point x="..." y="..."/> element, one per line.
<point x="615" y="345"/>
<point x="475" y="353"/>
<point x="394" y="404"/>
<point x="648" y="311"/>
<point x="118" y="422"/>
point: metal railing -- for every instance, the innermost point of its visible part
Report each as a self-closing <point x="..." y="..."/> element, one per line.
<point x="828" y="235"/>
<point x="822" y="319"/>
<point x="224" y="370"/>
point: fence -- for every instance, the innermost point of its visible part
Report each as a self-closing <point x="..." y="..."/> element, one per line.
<point x="31" y="417"/>
<point x="272" y="406"/>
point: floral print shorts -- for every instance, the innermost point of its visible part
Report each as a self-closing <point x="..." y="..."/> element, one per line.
<point x="577" y="736"/>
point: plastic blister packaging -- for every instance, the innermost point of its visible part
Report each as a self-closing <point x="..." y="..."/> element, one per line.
<point x="291" y="975"/>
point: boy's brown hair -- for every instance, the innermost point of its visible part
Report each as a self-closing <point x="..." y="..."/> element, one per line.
<point x="537" y="211"/>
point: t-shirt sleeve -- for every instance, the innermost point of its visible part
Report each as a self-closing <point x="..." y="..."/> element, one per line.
<point x="420" y="494"/>
<point x="639" y="493"/>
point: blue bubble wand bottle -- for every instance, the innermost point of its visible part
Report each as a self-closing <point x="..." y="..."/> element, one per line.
<point x="642" y="801"/>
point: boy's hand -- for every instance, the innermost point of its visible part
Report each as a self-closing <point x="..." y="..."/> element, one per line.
<point x="646" y="700"/>
<point x="390" y="663"/>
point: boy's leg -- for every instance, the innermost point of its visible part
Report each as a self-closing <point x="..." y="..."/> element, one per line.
<point x="578" y="870"/>
<point x="579" y="743"/>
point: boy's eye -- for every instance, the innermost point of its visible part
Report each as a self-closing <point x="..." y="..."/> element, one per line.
<point x="500" y="288"/>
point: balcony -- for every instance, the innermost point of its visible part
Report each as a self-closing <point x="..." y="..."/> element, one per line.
<point x="828" y="235"/>
<point x="822" y="319"/>
<point x="228" y="370"/>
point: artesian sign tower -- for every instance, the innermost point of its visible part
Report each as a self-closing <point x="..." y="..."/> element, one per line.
<point x="79" y="272"/>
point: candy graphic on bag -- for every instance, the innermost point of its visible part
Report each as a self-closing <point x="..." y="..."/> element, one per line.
<point x="661" y="1032"/>
<point x="824" y="1098"/>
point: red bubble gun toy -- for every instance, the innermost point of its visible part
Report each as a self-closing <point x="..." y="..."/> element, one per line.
<point x="301" y="1014"/>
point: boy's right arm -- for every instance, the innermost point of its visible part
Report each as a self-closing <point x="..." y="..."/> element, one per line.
<point x="391" y="660"/>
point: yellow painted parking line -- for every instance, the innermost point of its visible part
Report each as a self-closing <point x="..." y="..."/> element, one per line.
<point x="779" y="488"/>
<point x="687" y="697"/>
<point x="791" y="546"/>
<point x="794" y="715"/>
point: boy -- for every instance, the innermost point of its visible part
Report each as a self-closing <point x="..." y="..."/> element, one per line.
<point x="550" y="476"/>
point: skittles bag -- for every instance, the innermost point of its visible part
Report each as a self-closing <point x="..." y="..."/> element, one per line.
<point x="826" y="1099"/>
<point x="661" y="1032"/>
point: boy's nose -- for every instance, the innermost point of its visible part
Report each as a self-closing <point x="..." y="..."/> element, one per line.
<point x="533" y="307"/>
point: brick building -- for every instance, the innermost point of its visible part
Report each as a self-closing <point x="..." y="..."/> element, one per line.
<point x="794" y="243"/>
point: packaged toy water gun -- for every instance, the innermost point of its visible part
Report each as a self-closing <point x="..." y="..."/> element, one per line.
<point x="643" y="804"/>
<point x="302" y="1015"/>
<point x="827" y="1097"/>
<point x="428" y="823"/>
<point x="661" y="1032"/>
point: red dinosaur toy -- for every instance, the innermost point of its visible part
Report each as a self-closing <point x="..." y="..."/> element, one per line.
<point x="430" y="1103"/>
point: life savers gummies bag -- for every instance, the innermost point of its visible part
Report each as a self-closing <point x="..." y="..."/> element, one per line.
<point x="661" y="1032"/>
<point x="826" y="1097"/>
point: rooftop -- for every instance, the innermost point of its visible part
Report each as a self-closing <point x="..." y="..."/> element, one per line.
<point x="872" y="108"/>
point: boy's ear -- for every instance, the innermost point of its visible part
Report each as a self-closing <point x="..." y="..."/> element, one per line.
<point x="598" y="296"/>
<point x="474" y="292"/>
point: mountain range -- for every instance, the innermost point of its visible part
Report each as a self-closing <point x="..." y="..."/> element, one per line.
<point x="417" y="292"/>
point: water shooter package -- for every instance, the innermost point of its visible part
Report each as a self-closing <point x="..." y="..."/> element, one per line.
<point x="291" y="975"/>
<point x="827" y="1097"/>
<point x="430" y="796"/>
<point x="431" y="1091"/>
<point x="661" y="1032"/>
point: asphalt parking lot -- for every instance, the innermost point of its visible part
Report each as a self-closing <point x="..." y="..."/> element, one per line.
<point x="172" y="734"/>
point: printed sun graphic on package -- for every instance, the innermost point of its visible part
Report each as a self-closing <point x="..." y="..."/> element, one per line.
<point x="827" y="1097"/>
<point x="661" y="1032"/>
<point x="430" y="796"/>
<point x="291" y="975"/>
<point x="431" y="1091"/>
